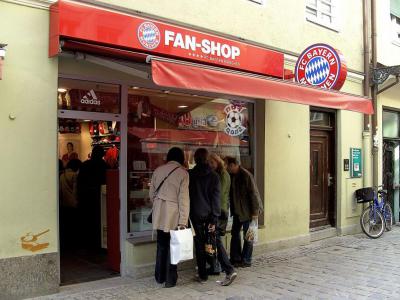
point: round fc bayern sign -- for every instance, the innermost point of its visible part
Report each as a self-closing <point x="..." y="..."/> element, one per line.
<point x="322" y="66"/>
<point x="149" y="35"/>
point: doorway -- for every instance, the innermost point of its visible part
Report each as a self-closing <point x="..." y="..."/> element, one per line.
<point x="391" y="173"/>
<point x="322" y="169"/>
<point x="89" y="139"/>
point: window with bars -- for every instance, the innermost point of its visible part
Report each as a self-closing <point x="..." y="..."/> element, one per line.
<point x="322" y="12"/>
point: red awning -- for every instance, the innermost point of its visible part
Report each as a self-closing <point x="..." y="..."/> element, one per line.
<point x="182" y="75"/>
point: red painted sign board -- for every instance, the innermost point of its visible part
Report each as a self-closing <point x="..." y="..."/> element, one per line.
<point x="78" y="21"/>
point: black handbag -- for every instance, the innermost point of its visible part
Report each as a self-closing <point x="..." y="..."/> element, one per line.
<point x="150" y="217"/>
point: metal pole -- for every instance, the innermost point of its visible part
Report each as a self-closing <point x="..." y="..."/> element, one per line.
<point x="375" y="145"/>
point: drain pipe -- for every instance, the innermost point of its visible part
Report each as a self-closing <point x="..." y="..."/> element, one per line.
<point x="375" y="138"/>
<point x="367" y="178"/>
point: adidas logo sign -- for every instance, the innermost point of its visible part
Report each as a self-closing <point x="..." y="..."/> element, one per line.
<point x="90" y="98"/>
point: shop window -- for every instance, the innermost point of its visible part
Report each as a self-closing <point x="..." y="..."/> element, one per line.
<point x="390" y="122"/>
<point x="88" y="96"/>
<point x="158" y="121"/>
<point x="322" y="12"/>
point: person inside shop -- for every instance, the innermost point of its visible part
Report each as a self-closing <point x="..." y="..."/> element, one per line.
<point x="246" y="205"/>
<point x="218" y="165"/>
<point x="71" y="154"/>
<point x="91" y="177"/>
<point x="69" y="202"/>
<point x="169" y="191"/>
<point x="204" y="191"/>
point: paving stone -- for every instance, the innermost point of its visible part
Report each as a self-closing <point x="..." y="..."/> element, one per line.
<point x="350" y="267"/>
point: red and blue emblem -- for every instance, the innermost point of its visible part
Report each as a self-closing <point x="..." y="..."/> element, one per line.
<point x="149" y="35"/>
<point x="322" y="66"/>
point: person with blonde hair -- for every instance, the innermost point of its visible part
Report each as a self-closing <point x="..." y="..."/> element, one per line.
<point x="218" y="165"/>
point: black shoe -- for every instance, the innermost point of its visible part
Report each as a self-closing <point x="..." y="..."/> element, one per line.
<point x="212" y="272"/>
<point x="169" y="285"/>
<point x="229" y="279"/>
<point x="246" y="265"/>
<point x="201" y="280"/>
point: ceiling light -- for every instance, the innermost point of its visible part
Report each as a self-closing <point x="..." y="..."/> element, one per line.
<point x="61" y="90"/>
<point x="87" y="120"/>
<point x="183" y="106"/>
<point x="135" y="87"/>
<point x="167" y="92"/>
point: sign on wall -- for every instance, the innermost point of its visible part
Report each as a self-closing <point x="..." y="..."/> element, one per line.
<point x="355" y="162"/>
<point x="322" y="66"/>
<point x="101" y="26"/>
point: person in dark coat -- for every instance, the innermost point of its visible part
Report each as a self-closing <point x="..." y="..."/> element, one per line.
<point x="246" y="205"/>
<point x="91" y="177"/>
<point x="204" y="192"/>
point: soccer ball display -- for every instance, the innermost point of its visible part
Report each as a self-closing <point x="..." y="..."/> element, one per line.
<point x="234" y="119"/>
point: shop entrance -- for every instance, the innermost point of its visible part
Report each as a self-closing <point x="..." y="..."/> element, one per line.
<point x="391" y="173"/>
<point x="89" y="202"/>
<point x="322" y="170"/>
<point x="391" y="158"/>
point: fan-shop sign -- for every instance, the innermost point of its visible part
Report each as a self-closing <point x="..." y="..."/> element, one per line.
<point x="74" y="20"/>
<point x="322" y="66"/>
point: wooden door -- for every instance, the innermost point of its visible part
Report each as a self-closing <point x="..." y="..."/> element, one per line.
<point x="321" y="179"/>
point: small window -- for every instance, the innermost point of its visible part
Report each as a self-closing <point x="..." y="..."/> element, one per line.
<point x="322" y="12"/>
<point x="390" y="122"/>
<point x="395" y="29"/>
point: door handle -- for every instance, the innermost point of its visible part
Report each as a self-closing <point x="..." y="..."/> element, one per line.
<point x="330" y="179"/>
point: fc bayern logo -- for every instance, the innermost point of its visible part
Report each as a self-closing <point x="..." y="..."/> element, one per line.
<point x="322" y="66"/>
<point x="149" y="35"/>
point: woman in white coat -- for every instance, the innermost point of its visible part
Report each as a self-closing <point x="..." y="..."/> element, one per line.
<point x="169" y="191"/>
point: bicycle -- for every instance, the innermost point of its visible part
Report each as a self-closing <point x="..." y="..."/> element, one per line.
<point x="378" y="216"/>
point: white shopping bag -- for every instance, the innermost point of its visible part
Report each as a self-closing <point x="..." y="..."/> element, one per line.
<point x="181" y="245"/>
<point x="252" y="232"/>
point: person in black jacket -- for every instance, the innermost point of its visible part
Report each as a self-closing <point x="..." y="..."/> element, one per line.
<point x="204" y="192"/>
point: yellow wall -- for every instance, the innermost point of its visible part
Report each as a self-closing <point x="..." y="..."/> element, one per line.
<point x="28" y="176"/>
<point x="263" y="23"/>
<point x="389" y="99"/>
<point x="287" y="200"/>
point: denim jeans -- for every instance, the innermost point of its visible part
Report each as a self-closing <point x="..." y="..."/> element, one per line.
<point x="238" y="254"/>
<point x="221" y="262"/>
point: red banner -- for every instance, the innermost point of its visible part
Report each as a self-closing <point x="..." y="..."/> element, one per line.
<point x="93" y="24"/>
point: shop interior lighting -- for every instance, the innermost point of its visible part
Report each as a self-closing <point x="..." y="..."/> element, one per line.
<point x="135" y="87"/>
<point x="61" y="90"/>
<point x="167" y="92"/>
<point x="183" y="106"/>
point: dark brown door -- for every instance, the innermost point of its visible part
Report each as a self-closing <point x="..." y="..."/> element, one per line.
<point x="321" y="178"/>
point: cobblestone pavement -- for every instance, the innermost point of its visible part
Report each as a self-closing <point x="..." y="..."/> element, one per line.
<point x="350" y="267"/>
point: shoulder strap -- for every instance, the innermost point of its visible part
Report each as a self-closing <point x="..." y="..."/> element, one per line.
<point x="162" y="182"/>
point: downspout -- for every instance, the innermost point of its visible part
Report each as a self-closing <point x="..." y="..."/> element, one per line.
<point x="367" y="176"/>
<point x="375" y="143"/>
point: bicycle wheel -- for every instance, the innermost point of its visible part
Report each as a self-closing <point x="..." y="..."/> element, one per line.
<point x="388" y="216"/>
<point x="372" y="222"/>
